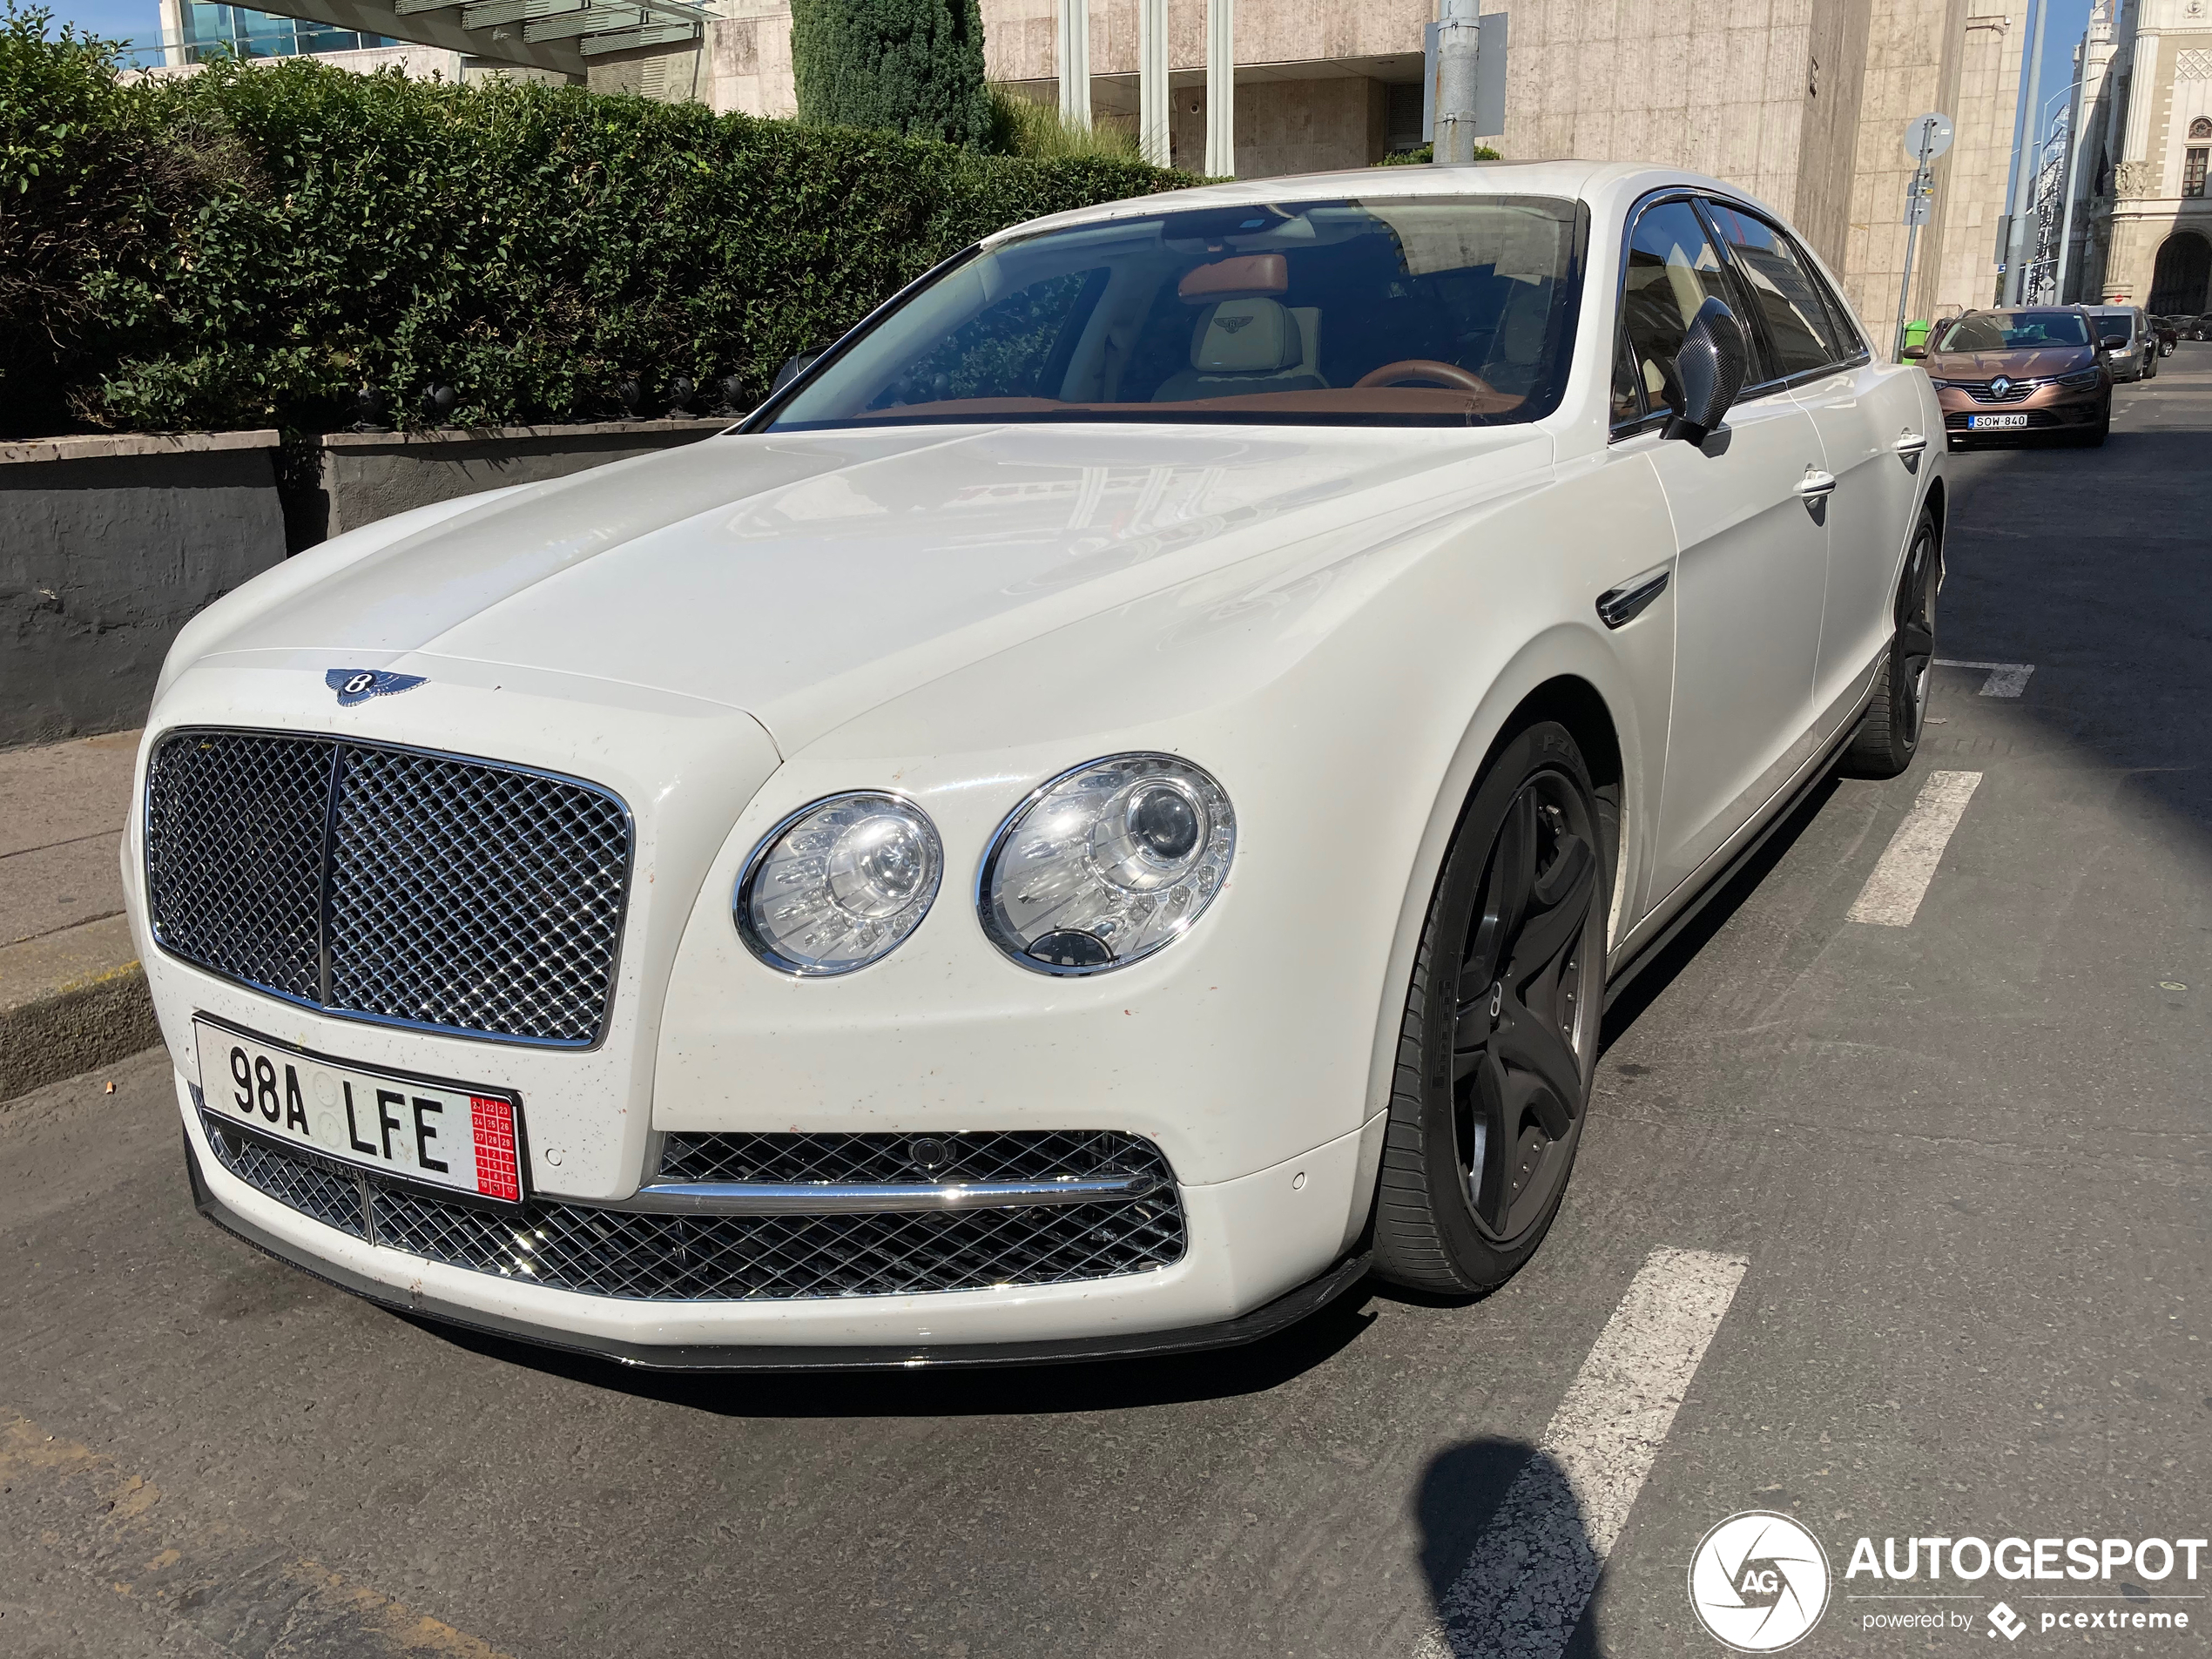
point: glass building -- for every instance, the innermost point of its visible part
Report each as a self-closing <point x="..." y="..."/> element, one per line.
<point x="212" y="31"/>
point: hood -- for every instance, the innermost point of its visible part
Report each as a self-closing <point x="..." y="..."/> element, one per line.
<point x="2027" y="363"/>
<point x="804" y="578"/>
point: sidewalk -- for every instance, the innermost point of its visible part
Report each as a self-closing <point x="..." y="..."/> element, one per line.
<point x="71" y="994"/>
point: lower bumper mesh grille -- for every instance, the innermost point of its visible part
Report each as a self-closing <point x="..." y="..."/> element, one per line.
<point x="604" y="1251"/>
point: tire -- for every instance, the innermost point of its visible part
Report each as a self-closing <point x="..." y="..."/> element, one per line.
<point x="1889" y="732"/>
<point x="1499" y="1035"/>
<point x="2093" y="438"/>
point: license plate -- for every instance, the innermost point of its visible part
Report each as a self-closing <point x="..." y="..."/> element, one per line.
<point x="1995" y="422"/>
<point x="453" y="1136"/>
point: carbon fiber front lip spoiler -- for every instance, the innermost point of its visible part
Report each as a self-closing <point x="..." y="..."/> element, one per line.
<point x="1278" y="1315"/>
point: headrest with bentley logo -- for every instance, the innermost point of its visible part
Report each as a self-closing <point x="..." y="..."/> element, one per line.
<point x="1246" y="337"/>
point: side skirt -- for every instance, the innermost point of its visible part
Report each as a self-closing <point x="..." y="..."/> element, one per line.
<point x="1619" y="978"/>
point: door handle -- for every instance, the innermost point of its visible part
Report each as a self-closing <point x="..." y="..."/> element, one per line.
<point x="1817" y="485"/>
<point x="1910" y="443"/>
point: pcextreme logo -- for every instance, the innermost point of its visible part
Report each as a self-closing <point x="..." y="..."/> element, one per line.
<point x="1758" y="1582"/>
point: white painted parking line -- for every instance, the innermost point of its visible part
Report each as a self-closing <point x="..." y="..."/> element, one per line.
<point x="2006" y="680"/>
<point x="1524" y="1587"/>
<point x="1892" y="894"/>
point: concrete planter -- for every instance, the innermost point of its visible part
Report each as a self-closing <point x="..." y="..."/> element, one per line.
<point x="368" y="475"/>
<point x="108" y="546"/>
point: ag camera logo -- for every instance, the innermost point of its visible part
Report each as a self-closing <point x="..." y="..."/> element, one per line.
<point x="1758" y="1582"/>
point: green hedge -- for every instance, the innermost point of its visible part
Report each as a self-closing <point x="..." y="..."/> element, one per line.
<point x="248" y="245"/>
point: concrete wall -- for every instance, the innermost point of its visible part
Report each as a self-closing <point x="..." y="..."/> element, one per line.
<point x="368" y="476"/>
<point x="1834" y="83"/>
<point x="1915" y="52"/>
<point x="108" y="546"/>
<point x="1965" y="275"/>
<point x="1020" y="36"/>
<point x="749" y="59"/>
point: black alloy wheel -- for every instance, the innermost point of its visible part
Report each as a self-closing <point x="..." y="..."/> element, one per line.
<point x="1889" y="732"/>
<point x="1499" y="1034"/>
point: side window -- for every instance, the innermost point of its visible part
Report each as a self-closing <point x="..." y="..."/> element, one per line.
<point x="1800" y="336"/>
<point x="1672" y="271"/>
<point x="1627" y="397"/>
<point x="1839" y="318"/>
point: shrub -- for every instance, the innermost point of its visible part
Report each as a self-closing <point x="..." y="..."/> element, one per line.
<point x="85" y="176"/>
<point x="1022" y="126"/>
<point x="913" y="67"/>
<point x="1426" y="153"/>
<point x="314" y="232"/>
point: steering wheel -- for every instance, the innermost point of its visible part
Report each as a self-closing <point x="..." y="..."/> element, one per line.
<point x="1426" y="368"/>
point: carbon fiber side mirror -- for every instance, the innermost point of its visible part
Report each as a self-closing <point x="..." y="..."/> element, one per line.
<point x="1709" y="369"/>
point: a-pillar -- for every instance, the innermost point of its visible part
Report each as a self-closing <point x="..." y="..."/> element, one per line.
<point x="1221" y="88"/>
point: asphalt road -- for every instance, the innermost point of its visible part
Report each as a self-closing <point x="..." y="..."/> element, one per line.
<point x="1966" y="1161"/>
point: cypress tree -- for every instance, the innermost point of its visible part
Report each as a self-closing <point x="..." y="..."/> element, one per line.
<point x="913" y="67"/>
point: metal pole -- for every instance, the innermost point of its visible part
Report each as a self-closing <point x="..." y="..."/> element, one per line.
<point x="1916" y="197"/>
<point x="1221" y="88"/>
<point x="1456" y="35"/>
<point x="1152" y="81"/>
<point x="2031" y="147"/>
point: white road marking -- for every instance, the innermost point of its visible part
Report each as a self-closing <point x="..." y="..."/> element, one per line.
<point x="1523" y="1589"/>
<point x="1892" y="894"/>
<point x="2006" y="680"/>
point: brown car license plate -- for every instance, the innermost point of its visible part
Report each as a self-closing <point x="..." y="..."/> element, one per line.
<point x="1997" y="423"/>
<point x="460" y="1137"/>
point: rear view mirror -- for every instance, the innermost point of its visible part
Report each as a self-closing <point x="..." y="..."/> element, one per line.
<point x="2114" y="342"/>
<point x="794" y="367"/>
<point x="1914" y="353"/>
<point x="1709" y="371"/>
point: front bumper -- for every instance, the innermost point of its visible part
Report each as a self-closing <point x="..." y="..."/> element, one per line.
<point x="2049" y="408"/>
<point x="1261" y="1252"/>
<point x="1278" y="1315"/>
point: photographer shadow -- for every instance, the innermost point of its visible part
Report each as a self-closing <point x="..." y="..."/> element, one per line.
<point x="1508" y="1556"/>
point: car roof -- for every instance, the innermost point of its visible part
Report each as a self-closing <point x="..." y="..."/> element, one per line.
<point x="1595" y="182"/>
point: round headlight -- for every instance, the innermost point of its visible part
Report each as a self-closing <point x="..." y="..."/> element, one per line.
<point x="840" y="883"/>
<point x="1106" y="863"/>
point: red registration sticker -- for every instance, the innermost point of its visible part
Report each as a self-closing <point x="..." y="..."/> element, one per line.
<point x="496" y="1175"/>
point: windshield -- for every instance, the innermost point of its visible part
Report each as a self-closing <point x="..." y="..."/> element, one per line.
<point x="1432" y="312"/>
<point x="2015" y="331"/>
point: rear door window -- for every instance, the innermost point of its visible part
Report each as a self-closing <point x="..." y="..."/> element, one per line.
<point x="1801" y="337"/>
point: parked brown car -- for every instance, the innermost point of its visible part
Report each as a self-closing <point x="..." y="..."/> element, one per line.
<point x="2041" y="369"/>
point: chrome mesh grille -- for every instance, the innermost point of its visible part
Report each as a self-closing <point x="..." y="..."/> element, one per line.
<point x="235" y="834"/>
<point x="877" y="1160"/>
<point x="637" y="1255"/>
<point x="1983" y="392"/>
<point x="389" y="884"/>
<point x="323" y="1188"/>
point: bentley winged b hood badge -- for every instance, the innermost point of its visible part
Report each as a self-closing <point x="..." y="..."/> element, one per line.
<point x="358" y="684"/>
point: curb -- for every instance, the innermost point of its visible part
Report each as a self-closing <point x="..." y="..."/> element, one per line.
<point x="59" y="1016"/>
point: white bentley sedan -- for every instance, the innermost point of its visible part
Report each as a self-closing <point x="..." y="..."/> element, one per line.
<point x="1107" y="810"/>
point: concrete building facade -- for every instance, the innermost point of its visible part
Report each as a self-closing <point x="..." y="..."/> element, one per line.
<point x="1802" y="102"/>
<point x="2142" y="220"/>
